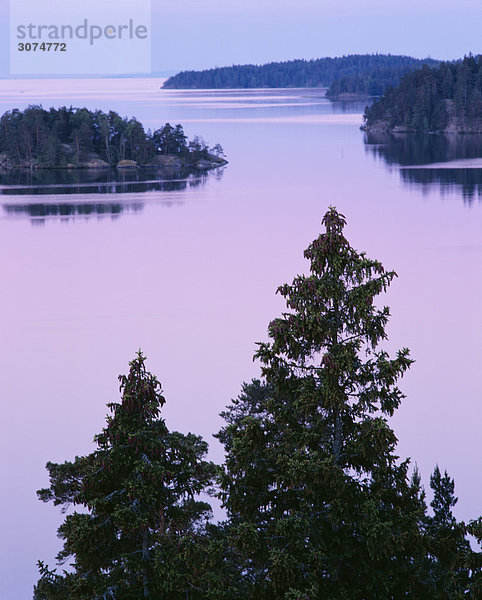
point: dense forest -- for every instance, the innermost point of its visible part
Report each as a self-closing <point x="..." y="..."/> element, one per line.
<point x="374" y="81"/>
<point x="78" y="137"/>
<point x="360" y="72"/>
<point x="319" y="506"/>
<point x="447" y="98"/>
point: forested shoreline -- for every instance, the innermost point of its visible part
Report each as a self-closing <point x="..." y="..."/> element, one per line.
<point x="36" y="138"/>
<point x="376" y="80"/>
<point x="318" y="503"/>
<point x="443" y="99"/>
<point x="355" y="74"/>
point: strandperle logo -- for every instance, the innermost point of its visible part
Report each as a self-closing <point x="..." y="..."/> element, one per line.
<point x="83" y="31"/>
<point x="86" y="37"/>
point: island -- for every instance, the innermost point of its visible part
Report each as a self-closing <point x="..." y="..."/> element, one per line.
<point x="78" y="138"/>
<point x="346" y="76"/>
<point x="446" y="99"/>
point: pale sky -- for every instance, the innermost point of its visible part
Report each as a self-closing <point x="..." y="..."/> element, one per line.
<point x="194" y="34"/>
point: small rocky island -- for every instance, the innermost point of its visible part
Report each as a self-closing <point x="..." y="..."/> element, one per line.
<point x="78" y="138"/>
<point x="447" y="99"/>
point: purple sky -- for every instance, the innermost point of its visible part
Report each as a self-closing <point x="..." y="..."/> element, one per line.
<point x="216" y="32"/>
<point x="205" y="33"/>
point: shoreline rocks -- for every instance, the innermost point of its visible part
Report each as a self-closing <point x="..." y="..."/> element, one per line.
<point x="159" y="162"/>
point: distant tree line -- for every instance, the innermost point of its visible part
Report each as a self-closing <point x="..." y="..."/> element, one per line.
<point x="319" y="506"/>
<point x="61" y="136"/>
<point x="374" y="81"/>
<point x="446" y="98"/>
<point x="321" y="72"/>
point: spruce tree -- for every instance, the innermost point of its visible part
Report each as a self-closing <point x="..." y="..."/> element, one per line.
<point x="474" y="528"/>
<point x="319" y="503"/>
<point x="138" y="492"/>
<point x="449" y="552"/>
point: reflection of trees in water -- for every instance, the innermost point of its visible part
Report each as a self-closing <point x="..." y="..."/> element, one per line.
<point x="349" y="106"/>
<point x="39" y="211"/>
<point x="468" y="182"/>
<point x="420" y="149"/>
<point x="70" y="209"/>
<point x="105" y="181"/>
<point x="423" y="149"/>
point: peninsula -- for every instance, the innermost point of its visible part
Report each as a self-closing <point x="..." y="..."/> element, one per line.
<point x="446" y="99"/>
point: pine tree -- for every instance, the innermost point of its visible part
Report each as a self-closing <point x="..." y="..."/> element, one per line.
<point x="164" y="139"/>
<point x="449" y="551"/>
<point x="474" y="528"/>
<point x="320" y="505"/>
<point x="139" y="493"/>
<point x="82" y="134"/>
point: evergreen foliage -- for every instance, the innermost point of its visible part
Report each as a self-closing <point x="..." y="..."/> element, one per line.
<point x="58" y="137"/>
<point x="140" y="513"/>
<point x="302" y="73"/>
<point x="451" y="564"/>
<point x="374" y="81"/>
<point x="319" y="505"/>
<point x="447" y="98"/>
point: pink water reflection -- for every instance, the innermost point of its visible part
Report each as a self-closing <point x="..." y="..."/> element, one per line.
<point x="193" y="285"/>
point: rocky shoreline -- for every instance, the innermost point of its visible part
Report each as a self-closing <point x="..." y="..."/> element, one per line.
<point x="348" y="96"/>
<point x="453" y="128"/>
<point x="95" y="163"/>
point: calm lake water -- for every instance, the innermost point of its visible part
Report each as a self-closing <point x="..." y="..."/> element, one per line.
<point x="186" y="269"/>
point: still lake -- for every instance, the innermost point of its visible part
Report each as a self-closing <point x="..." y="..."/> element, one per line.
<point x="93" y="269"/>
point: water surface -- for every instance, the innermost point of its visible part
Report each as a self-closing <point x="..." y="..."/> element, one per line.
<point x="451" y="163"/>
<point x="187" y="270"/>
